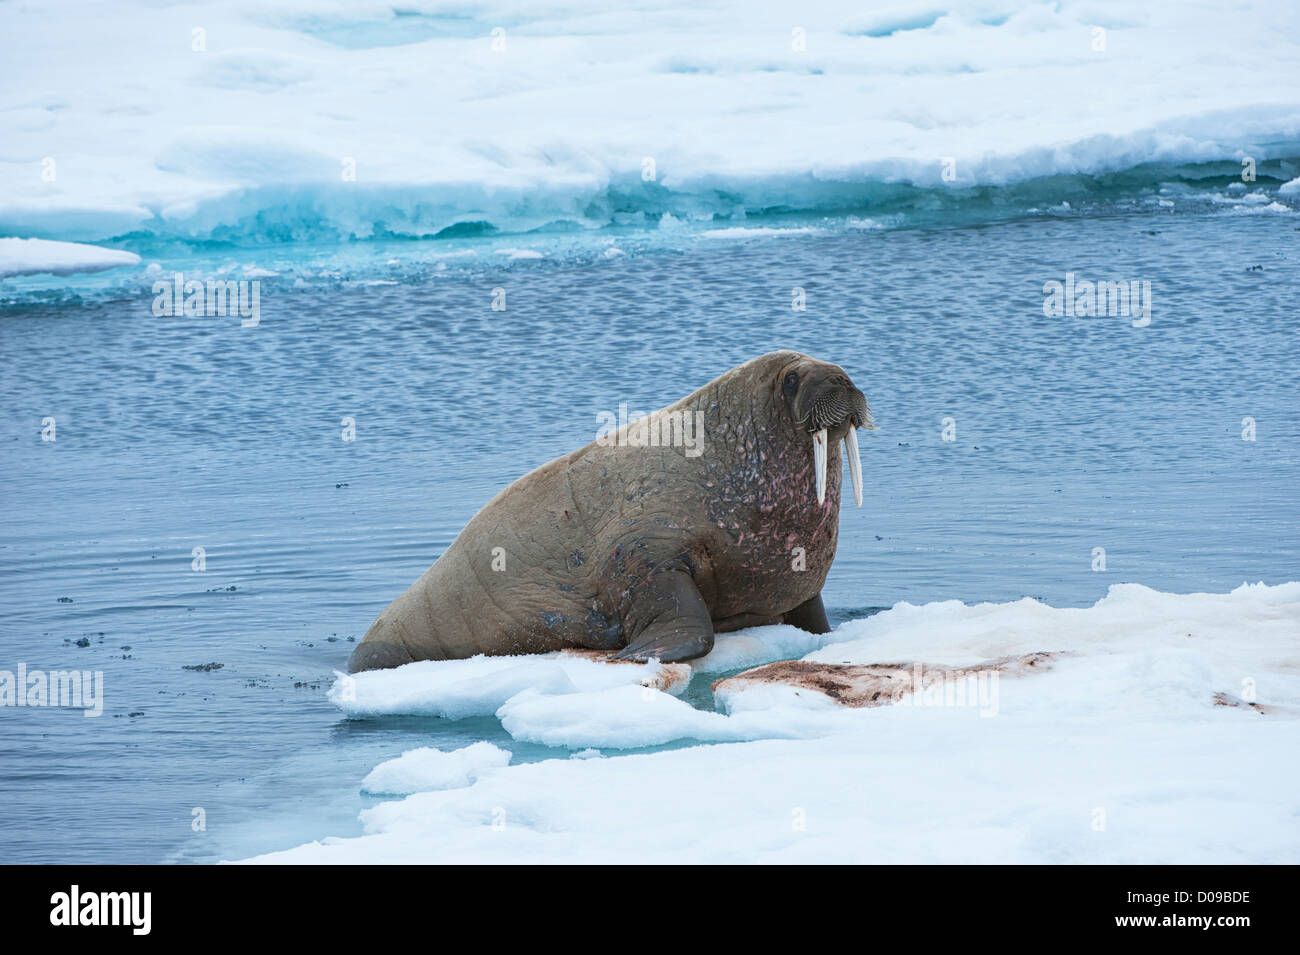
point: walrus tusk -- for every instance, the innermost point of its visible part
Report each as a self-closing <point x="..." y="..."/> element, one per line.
<point x="819" y="465"/>
<point x="855" y="462"/>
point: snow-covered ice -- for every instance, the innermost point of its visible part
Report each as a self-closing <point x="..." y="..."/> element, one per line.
<point x="232" y="119"/>
<point x="426" y="769"/>
<point x="43" y="256"/>
<point x="1165" y="731"/>
<point x="480" y="685"/>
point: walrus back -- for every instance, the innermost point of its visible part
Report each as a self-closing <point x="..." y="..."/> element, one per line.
<point x="511" y="582"/>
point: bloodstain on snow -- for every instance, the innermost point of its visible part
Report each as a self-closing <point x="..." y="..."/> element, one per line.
<point x="667" y="677"/>
<point x="1227" y="699"/>
<point x="876" y="684"/>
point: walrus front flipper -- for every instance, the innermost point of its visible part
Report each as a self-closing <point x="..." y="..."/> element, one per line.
<point x="375" y="655"/>
<point x="668" y="621"/>
<point x="809" y="615"/>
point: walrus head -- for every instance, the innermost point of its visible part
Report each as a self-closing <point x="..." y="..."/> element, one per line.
<point x="824" y="404"/>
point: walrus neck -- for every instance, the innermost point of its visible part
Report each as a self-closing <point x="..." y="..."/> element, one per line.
<point x="752" y="425"/>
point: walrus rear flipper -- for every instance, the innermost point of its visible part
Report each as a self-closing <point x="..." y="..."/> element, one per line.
<point x="668" y="621"/>
<point x="809" y="615"/>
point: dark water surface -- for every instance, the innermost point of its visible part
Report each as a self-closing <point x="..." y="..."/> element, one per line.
<point x="1071" y="434"/>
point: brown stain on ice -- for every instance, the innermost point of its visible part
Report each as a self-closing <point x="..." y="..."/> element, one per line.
<point x="667" y="678"/>
<point x="875" y="684"/>
<point x="1227" y="699"/>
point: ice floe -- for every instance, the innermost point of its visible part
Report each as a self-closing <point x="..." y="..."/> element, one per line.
<point x="1164" y="730"/>
<point x="43" y="256"/>
<point x="426" y="769"/>
<point x="322" y="120"/>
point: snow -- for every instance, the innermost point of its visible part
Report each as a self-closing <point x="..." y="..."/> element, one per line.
<point x="1165" y="731"/>
<point x="563" y="700"/>
<point x="426" y="769"/>
<point x="479" y="686"/>
<point x="627" y="717"/>
<point x="39" y="256"/>
<point x="759" y="645"/>
<point x="323" y="119"/>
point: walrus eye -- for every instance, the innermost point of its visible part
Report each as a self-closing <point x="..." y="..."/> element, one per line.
<point x="791" y="384"/>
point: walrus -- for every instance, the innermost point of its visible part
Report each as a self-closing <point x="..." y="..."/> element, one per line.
<point x="645" y="542"/>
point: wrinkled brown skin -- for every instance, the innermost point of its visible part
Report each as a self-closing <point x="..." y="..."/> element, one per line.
<point x="642" y="548"/>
